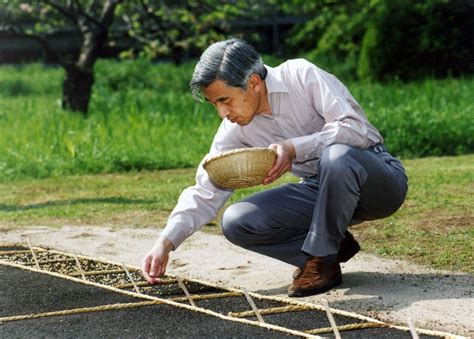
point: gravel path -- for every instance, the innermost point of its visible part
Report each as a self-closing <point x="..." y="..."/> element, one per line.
<point x="390" y="290"/>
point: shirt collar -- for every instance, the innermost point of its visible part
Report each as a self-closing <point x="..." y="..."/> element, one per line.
<point x="273" y="81"/>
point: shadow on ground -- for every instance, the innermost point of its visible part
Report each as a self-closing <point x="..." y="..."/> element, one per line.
<point x="366" y="291"/>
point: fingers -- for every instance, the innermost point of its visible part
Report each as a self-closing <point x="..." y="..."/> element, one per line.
<point x="281" y="165"/>
<point x="276" y="174"/>
<point x="159" y="268"/>
<point x="153" y="268"/>
<point x="154" y="263"/>
<point x="273" y="174"/>
<point x="146" y="269"/>
<point x="162" y="268"/>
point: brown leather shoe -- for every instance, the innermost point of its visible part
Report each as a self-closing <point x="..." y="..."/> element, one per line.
<point x="317" y="276"/>
<point x="348" y="248"/>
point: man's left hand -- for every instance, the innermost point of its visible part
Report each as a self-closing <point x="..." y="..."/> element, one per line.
<point x="285" y="154"/>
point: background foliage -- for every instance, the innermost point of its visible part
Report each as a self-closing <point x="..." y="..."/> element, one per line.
<point x="414" y="39"/>
<point x="386" y="39"/>
<point x="142" y="116"/>
<point x="376" y="39"/>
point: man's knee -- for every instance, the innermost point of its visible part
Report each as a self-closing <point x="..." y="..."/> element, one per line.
<point x="341" y="163"/>
<point x="335" y="158"/>
<point x="233" y="221"/>
<point x="246" y="224"/>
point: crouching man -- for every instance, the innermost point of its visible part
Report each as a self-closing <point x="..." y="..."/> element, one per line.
<point x="320" y="133"/>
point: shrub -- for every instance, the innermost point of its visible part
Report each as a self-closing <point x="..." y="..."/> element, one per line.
<point x="410" y="40"/>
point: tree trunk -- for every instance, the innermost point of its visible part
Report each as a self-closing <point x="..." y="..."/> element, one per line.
<point x="77" y="88"/>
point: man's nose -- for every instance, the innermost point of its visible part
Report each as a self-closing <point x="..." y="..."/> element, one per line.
<point x="222" y="111"/>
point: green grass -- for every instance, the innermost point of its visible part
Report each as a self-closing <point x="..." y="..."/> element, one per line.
<point x="426" y="118"/>
<point x="435" y="226"/>
<point x="153" y="125"/>
<point x="142" y="117"/>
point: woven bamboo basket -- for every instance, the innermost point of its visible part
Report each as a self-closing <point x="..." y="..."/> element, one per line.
<point x="240" y="168"/>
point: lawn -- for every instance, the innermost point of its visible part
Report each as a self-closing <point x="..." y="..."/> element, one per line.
<point x="142" y="117"/>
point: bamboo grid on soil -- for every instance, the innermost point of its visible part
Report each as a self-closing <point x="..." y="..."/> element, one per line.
<point x="127" y="280"/>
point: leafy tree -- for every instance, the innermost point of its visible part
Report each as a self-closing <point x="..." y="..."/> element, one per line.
<point x="179" y="29"/>
<point x="332" y="33"/>
<point x="381" y="39"/>
<point x="411" y="39"/>
<point x="92" y="18"/>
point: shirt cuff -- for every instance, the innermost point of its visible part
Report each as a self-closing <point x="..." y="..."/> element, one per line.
<point x="175" y="234"/>
<point x="305" y="149"/>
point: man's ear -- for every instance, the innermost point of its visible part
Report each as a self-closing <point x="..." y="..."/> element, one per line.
<point x="255" y="82"/>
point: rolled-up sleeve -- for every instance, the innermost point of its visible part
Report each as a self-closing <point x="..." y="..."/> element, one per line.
<point x="342" y="124"/>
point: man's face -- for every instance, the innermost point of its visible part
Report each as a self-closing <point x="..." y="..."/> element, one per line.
<point x="234" y="103"/>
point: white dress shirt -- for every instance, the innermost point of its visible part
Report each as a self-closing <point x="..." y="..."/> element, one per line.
<point x="309" y="106"/>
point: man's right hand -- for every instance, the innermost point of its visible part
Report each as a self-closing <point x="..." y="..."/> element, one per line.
<point x="155" y="262"/>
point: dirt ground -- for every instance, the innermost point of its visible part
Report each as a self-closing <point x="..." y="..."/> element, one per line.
<point x="390" y="290"/>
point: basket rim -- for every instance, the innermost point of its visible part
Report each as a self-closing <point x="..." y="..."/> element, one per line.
<point x="237" y="151"/>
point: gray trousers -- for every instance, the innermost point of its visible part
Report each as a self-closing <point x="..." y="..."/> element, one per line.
<point x="309" y="218"/>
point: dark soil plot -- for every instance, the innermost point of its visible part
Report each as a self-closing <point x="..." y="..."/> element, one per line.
<point x="173" y="290"/>
<point x="389" y="333"/>
<point x="13" y="248"/>
<point x="160" y="321"/>
<point x="58" y="263"/>
<point x="27" y="292"/>
<point x="235" y="304"/>
<point x="306" y="320"/>
<point x="70" y="267"/>
<point x="116" y="279"/>
<point x="27" y="258"/>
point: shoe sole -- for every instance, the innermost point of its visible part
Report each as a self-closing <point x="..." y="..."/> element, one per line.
<point x="336" y="281"/>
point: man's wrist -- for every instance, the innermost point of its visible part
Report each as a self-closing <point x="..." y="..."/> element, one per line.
<point x="165" y="243"/>
<point x="290" y="147"/>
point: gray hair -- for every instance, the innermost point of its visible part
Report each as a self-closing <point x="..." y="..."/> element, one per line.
<point x="233" y="61"/>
